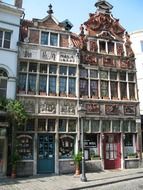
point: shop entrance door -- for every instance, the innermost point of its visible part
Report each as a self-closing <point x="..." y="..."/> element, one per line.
<point x="2" y="146"/>
<point x="112" y="151"/>
<point x="46" y="154"/>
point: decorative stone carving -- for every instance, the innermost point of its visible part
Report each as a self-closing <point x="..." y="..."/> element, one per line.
<point x="67" y="57"/>
<point x="120" y="50"/>
<point x="46" y="106"/>
<point x="29" y="104"/>
<point x="92" y="108"/>
<point x="112" y="109"/>
<point x="108" y="61"/>
<point x="93" y="46"/>
<point x="67" y="107"/>
<point x="89" y="58"/>
<point x="48" y="55"/>
<point x="129" y="110"/>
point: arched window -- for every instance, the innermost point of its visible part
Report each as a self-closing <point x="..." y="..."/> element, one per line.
<point x="3" y="82"/>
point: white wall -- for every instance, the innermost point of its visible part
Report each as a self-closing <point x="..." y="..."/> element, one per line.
<point x="136" y="37"/>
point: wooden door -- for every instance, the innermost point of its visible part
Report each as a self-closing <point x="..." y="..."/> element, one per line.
<point x="112" y="151"/>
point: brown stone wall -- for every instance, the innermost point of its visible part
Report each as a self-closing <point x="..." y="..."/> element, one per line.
<point x="64" y="40"/>
<point x="34" y="36"/>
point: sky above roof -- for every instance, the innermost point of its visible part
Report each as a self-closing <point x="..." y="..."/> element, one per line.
<point x="129" y="12"/>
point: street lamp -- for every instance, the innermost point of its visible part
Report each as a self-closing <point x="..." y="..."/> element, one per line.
<point x="82" y="111"/>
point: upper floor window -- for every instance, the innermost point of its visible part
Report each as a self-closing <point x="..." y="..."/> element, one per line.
<point x="3" y="83"/>
<point x="5" y="37"/>
<point x="141" y="46"/>
<point x="48" y="38"/>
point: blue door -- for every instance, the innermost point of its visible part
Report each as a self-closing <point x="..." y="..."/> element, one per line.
<point x="46" y="157"/>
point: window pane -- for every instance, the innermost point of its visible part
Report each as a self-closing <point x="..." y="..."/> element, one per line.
<point x="131" y="77"/>
<point x="83" y="87"/>
<point x="42" y="83"/>
<point x="43" y="68"/>
<point x="22" y="82"/>
<point x="53" y="69"/>
<point x="62" y="85"/>
<point x="33" y="67"/>
<point x="132" y="90"/>
<point x="110" y="47"/>
<point x="86" y="125"/>
<point x="116" y="126"/>
<point x="71" y="86"/>
<point x="7" y="40"/>
<point x="114" y="89"/>
<point x="72" y="71"/>
<point x="53" y="39"/>
<point x="1" y="37"/>
<point x="66" y="146"/>
<point x="51" y="124"/>
<point x="95" y="126"/>
<point x="105" y="126"/>
<point x="63" y="70"/>
<point x="132" y="126"/>
<point x="102" y="46"/>
<point x="23" y="66"/>
<point x="104" y="89"/>
<point x="44" y="38"/>
<point x="94" y="88"/>
<point x="32" y="83"/>
<point x="123" y="76"/>
<point x="72" y="126"/>
<point x="93" y="74"/>
<point x="30" y="125"/>
<point x="83" y="73"/>
<point x="41" y="124"/>
<point x="128" y="140"/>
<point x="104" y="74"/>
<point x="125" y="126"/>
<point x="113" y="75"/>
<point x="123" y="90"/>
<point x="62" y="125"/>
<point x="52" y="84"/>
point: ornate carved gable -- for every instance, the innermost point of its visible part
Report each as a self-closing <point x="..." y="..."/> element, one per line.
<point x="99" y="22"/>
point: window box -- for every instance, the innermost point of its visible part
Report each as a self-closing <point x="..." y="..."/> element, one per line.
<point x="63" y="94"/>
<point x="21" y="91"/>
<point x="71" y="95"/>
<point x="105" y="97"/>
<point x="84" y="96"/>
<point x="115" y="98"/>
<point x="95" y="97"/>
<point x="132" y="155"/>
<point x="31" y="93"/>
<point x="52" y="94"/>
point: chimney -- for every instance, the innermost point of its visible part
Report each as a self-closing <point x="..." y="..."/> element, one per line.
<point x="18" y="3"/>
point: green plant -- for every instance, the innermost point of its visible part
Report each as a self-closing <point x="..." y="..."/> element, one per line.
<point x="132" y="154"/>
<point x="77" y="157"/>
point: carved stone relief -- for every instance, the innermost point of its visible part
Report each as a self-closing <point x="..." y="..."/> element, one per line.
<point x="47" y="106"/>
<point x="67" y="57"/>
<point x="29" y="104"/>
<point x="67" y="107"/>
<point x="129" y="110"/>
<point x="93" y="108"/>
<point x="112" y="109"/>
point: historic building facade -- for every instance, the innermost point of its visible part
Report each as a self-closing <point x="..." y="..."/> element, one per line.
<point x="57" y="72"/>
<point x="137" y="45"/>
<point x="9" y="35"/>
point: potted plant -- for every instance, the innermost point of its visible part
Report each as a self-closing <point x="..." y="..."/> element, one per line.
<point x="132" y="155"/>
<point x="77" y="159"/>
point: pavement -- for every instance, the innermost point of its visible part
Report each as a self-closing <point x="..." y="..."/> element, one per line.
<point x="70" y="182"/>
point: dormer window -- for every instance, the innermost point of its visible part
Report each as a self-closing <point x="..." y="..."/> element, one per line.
<point x="53" y="39"/>
<point x="44" y="38"/>
<point x="110" y="47"/>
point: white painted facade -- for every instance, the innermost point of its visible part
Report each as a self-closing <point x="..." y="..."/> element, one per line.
<point x="137" y="38"/>
<point x="10" y="21"/>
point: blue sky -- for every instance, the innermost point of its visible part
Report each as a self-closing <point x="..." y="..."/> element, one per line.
<point x="130" y="12"/>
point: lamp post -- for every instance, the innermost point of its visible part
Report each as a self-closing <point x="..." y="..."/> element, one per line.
<point x="82" y="111"/>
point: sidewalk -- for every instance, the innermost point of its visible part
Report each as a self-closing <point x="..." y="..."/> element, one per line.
<point x="70" y="182"/>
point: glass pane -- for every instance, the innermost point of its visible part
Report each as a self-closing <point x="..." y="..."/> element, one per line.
<point x="52" y="84"/>
<point x="86" y="125"/>
<point x="72" y="126"/>
<point x="41" y="124"/>
<point x="133" y="126"/>
<point x="32" y="83"/>
<point x="93" y="73"/>
<point x="128" y="139"/>
<point x="113" y="75"/>
<point x="93" y="88"/>
<point x="104" y="74"/>
<point x="43" y="68"/>
<point x="63" y="70"/>
<point x="63" y="85"/>
<point x="125" y="126"/>
<point x="132" y="90"/>
<point x="131" y="76"/>
<point x="83" y="87"/>
<point x="71" y="86"/>
<point x="95" y="126"/>
<point x="116" y="126"/>
<point x="105" y="126"/>
<point x="104" y="89"/>
<point x="114" y="89"/>
<point x="44" y="38"/>
<point x="72" y="71"/>
<point x="1" y="37"/>
<point x="22" y="82"/>
<point x="42" y="83"/>
<point x="62" y="125"/>
<point x="7" y="39"/>
<point x="52" y="69"/>
<point x="83" y="73"/>
<point x="110" y="47"/>
<point x="33" y="67"/>
<point x="122" y="76"/>
<point x="30" y="125"/>
<point x="51" y="124"/>
<point x="123" y="90"/>
<point x="53" y="39"/>
<point x="23" y="66"/>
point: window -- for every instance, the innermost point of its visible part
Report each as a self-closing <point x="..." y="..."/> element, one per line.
<point x="83" y="87"/>
<point x="53" y="69"/>
<point x="53" y="39"/>
<point x="128" y="139"/>
<point x="63" y="85"/>
<point x="113" y="75"/>
<point x="32" y="83"/>
<point x="93" y="73"/>
<point x="62" y="125"/>
<point x="44" y="38"/>
<point x="110" y="47"/>
<point x="63" y="70"/>
<point x="41" y="124"/>
<point x="3" y="83"/>
<point x="72" y="126"/>
<point x="95" y="126"/>
<point x="93" y="88"/>
<point x="72" y="71"/>
<point x="5" y="37"/>
<point x="115" y="126"/>
<point x="30" y="124"/>
<point x="71" y="86"/>
<point x="22" y="82"/>
<point x="106" y="126"/>
<point x="123" y="90"/>
<point x="104" y="74"/>
<point x="51" y="124"/>
<point x="114" y="89"/>
<point x="131" y="76"/>
<point x="42" y="83"/>
<point x="102" y="46"/>
<point x="141" y="46"/>
<point x="104" y="89"/>
<point x="122" y="76"/>
<point x="52" y="84"/>
<point x="132" y="90"/>
<point x="83" y="73"/>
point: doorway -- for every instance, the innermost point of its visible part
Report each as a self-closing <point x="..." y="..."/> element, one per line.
<point x="46" y="154"/>
<point x="112" y="151"/>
